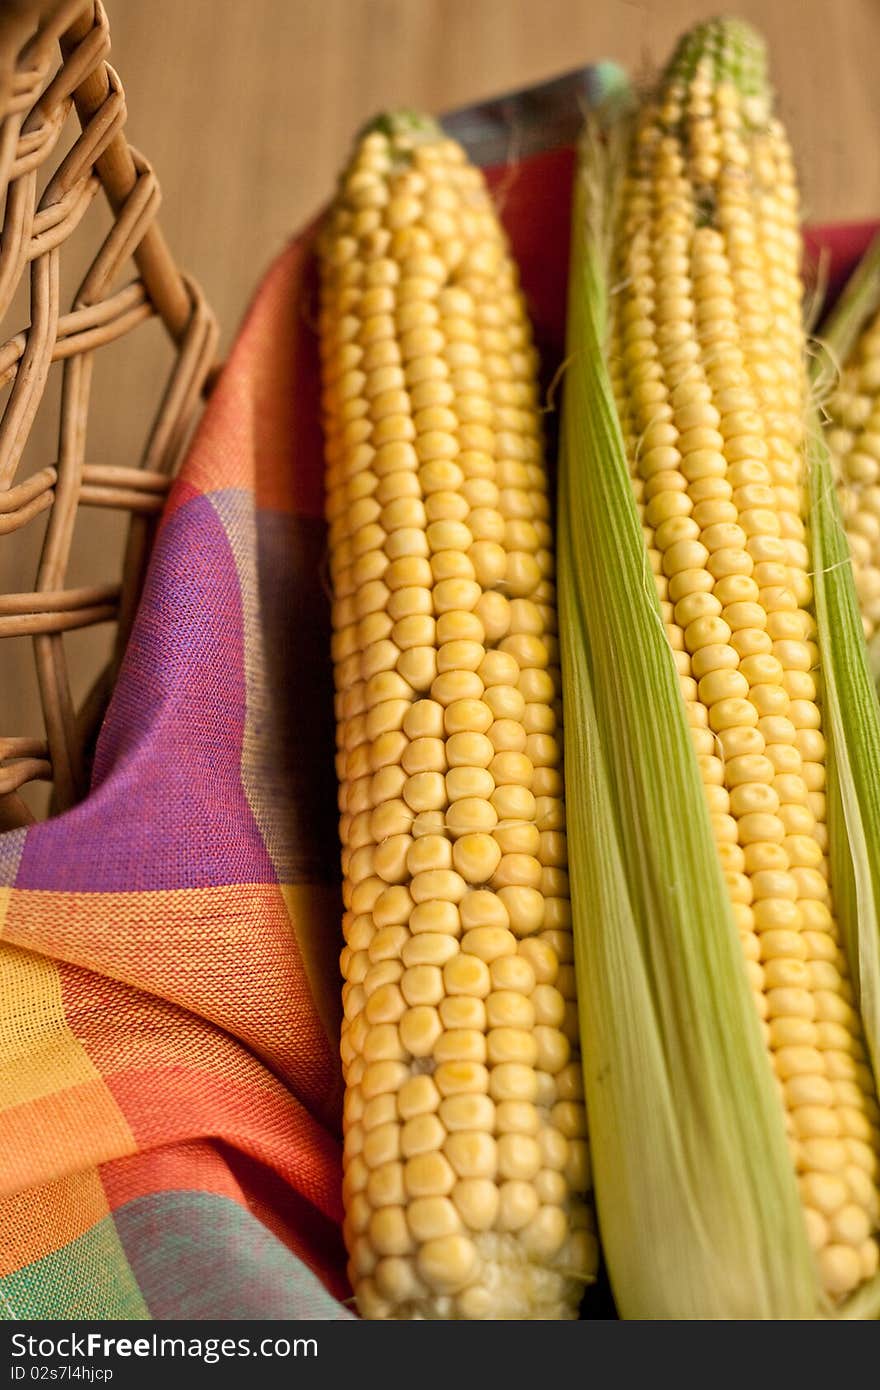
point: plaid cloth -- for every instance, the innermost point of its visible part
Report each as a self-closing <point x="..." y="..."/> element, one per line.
<point x="170" y="1090"/>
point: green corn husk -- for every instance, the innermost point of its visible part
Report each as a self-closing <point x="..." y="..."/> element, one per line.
<point x="852" y="719"/>
<point x="858" y="302"/>
<point x="699" y="1212"/>
<point x="854" y="314"/>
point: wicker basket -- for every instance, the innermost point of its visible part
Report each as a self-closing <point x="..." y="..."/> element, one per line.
<point x="53" y="64"/>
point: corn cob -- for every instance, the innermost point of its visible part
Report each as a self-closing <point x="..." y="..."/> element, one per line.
<point x="710" y="259"/>
<point x="465" y="1155"/>
<point x="707" y="368"/>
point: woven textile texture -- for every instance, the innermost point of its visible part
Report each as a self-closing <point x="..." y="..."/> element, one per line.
<point x="170" y="1091"/>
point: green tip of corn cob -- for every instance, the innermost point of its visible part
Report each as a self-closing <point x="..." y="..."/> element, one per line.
<point x="404" y="127"/>
<point x="725" y="49"/>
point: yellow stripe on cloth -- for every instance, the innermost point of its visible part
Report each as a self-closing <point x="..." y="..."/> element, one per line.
<point x="56" y="1111"/>
<point x="38" y="1053"/>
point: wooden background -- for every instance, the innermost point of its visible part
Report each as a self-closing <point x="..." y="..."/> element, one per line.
<point x="247" y="109"/>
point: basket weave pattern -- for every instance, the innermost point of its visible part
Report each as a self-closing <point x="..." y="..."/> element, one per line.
<point x="53" y="62"/>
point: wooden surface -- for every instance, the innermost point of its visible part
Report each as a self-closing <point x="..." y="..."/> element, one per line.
<point x="268" y="94"/>
<point x="246" y="110"/>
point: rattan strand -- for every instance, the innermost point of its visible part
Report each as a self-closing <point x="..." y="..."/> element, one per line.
<point x="53" y="62"/>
